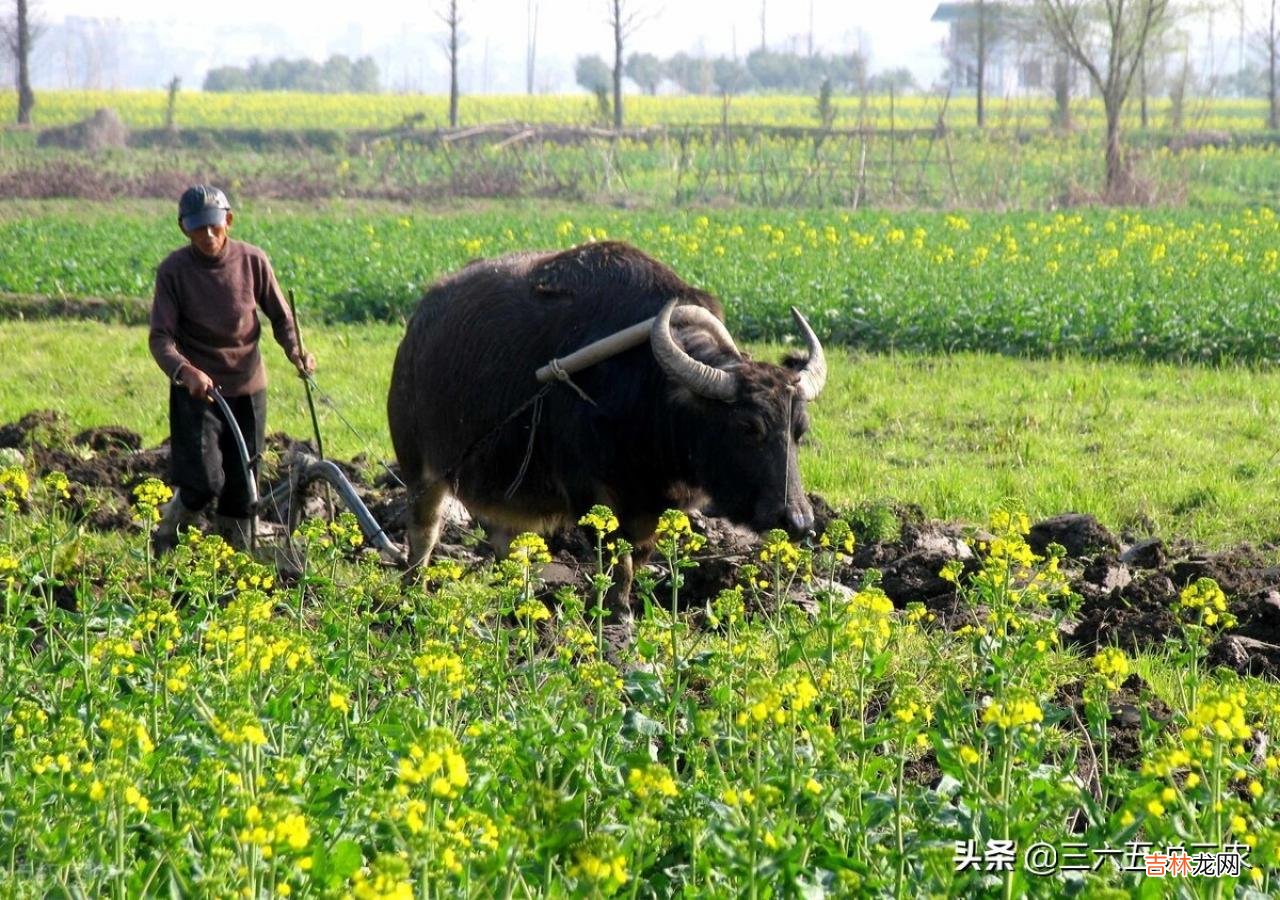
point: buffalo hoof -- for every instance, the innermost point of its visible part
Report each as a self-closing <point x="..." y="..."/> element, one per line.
<point x="619" y="636"/>
<point x="162" y="544"/>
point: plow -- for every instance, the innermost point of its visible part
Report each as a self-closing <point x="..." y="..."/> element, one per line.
<point x="306" y="470"/>
<point x="289" y="494"/>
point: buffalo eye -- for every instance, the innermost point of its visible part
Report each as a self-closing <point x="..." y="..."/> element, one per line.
<point x="756" y="431"/>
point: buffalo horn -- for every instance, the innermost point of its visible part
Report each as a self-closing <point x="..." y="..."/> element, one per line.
<point x="702" y="379"/>
<point x="814" y="375"/>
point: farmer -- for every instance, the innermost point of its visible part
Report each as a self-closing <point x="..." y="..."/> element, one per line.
<point x="204" y="334"/>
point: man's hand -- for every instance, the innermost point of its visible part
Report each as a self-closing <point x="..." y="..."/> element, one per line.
<point x="197" y="383"/>
<point x="305" y="363"/>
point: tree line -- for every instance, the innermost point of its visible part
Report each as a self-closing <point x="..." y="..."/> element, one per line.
<point x="761" y="70"/>
<point x="336" y="75"/>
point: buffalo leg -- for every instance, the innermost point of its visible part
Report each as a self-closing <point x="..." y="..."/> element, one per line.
<point x="426" y="503"/>
<point x="618" y="598"/>
<point x="499" y="539"/>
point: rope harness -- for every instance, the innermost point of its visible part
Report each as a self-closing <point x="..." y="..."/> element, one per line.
<point x="786" y="475"/>
<point x="557" y="371"/>
<point x="326" y="400"/>
<point x="561" y="374"/>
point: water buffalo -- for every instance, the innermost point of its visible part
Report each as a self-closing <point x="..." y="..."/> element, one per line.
<point x="682" y="419"/>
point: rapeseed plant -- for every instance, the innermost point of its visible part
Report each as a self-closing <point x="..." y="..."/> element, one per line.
<point x="212" y="743"/>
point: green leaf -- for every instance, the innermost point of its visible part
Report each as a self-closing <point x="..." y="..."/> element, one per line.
<point x="636" y="724"/>
<point x="643" y="687"/>
<point x="338" y="863"/>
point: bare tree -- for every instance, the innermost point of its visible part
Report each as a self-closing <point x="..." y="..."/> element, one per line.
<point x="531" y="44"/>
<point x="171" y="107"/>
<point x="1243" y="22"/>
<point x="1107" y="39"/>
<point x="20" y="33"/>
<point x="452" y="20"/>
<point x="1267" y="40"/>
<point x="1272" y="53"/>
<point x="1062" y="92"/>
<point x="982" y="62"/>
<point x="623" y="22"/>
<point x="1178" y="89"/>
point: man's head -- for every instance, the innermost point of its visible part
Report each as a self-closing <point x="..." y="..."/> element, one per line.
<point x="204" y="215"/>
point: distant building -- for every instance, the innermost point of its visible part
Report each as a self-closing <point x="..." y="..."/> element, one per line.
<point x="1016" y="53"/>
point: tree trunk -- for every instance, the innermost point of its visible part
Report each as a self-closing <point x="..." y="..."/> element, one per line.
<point x="617" y="65"/>
<point x="531" y="48"/>
<point x="1142" y="88"/>
<point x="1115" y="154"/>
<point x="1273" y="102"/>
<point x="26" y="97"/>
<point x="453" y="65"/>
<point x="982" y="61"/>
<point x="1062" y="93"/>
<point x="1178" y="95"/>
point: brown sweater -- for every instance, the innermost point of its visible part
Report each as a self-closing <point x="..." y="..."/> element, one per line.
<point x="204" y="315"/>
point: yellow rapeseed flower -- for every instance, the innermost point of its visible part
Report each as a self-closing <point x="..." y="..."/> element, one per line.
<point x="601" y="518"/>
<point x="651" y="782"/>
<point x="57" y="484"/>
<point x="606" y="873"/>
<point x="14" y="483"/>
<point x="1014" y="713"/>
<point x="529" y="549"/>
<point x="1112" y="664"/>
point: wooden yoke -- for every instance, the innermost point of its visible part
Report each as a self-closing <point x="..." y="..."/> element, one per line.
<point x="595" y="352"/>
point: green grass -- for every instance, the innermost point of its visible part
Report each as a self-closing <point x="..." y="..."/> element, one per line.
<point x="1186" y="451"/>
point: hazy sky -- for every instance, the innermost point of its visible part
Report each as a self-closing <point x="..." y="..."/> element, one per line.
<point x="894" y="34"/>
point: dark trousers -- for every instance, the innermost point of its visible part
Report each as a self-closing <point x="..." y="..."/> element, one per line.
<point x="204" y="460"/>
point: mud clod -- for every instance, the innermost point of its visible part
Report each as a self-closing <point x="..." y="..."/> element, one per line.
<point x="1081" y="535"/>
<point x="1146" y="554"/>
<point x="1131" y="709"/>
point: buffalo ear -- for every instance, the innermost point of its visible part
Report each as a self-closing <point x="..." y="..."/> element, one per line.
<point x="795" y="361"/>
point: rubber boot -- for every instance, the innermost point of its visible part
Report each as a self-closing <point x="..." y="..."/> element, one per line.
<point x="236" y="532"/>
<point x="174" y="518"/>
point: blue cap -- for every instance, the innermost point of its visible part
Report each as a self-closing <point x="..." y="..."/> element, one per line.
<point x="202" y="205"/>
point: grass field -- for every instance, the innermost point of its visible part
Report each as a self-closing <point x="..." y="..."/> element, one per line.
<point x="1139" y="446"/>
